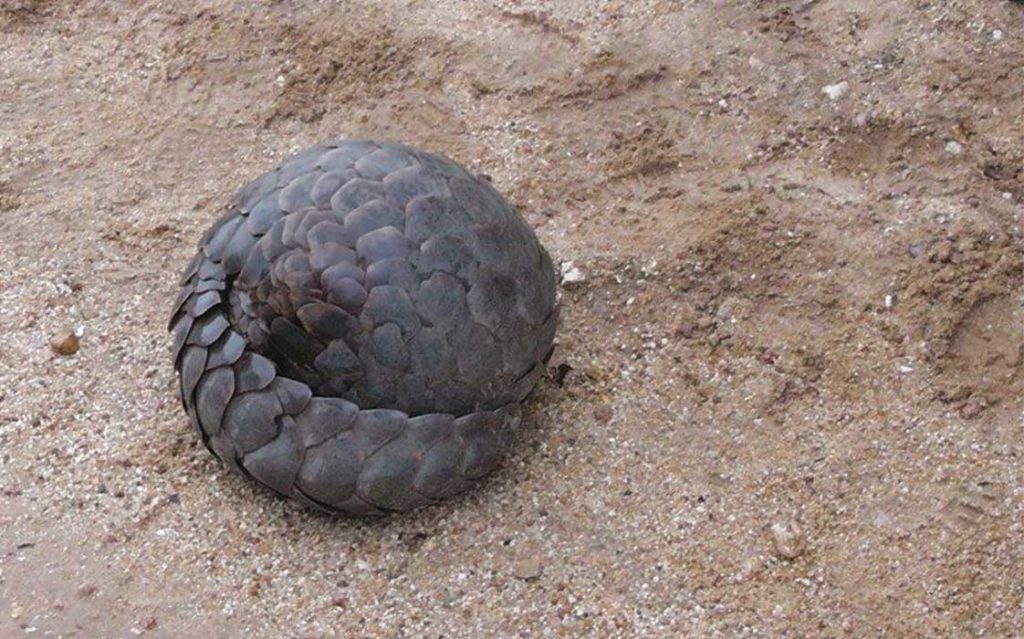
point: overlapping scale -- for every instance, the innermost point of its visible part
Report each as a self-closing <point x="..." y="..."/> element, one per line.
<point x="357" y="330"/>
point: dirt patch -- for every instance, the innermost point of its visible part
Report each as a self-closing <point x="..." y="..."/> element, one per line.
<point x="21" y="13"/>
<point x="985" y="352"/>
<point x="962" y="305"/>
<point x="649" y="149"/>
<point x="879" y="145"/>
<point x="337" y="65"/>
<point x="788" y="392"/>
<point x="607" y="76"/>
<point x="312" y="66"/>
<point x="8" y="199"/>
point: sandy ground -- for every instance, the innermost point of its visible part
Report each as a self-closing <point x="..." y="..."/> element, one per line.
<point x="788" y="400"/>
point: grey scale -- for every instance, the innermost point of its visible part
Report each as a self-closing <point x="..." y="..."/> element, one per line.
<point x="358" y="330"/>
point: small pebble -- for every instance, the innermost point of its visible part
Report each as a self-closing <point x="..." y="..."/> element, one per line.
<point x="527" y="569"/>
<point x="970" y="410"/>
<point x="686" y="327"/>
<point x="603" y="413"/>
<point x="836" y="91"/>
<point x="788" y="539"/>
<point x="571" y="274"/>
<point x="66" y="344"/>
<point x="954" y="147"/>
<point x="706" y="322"/>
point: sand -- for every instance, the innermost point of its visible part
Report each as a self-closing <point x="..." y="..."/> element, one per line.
<point x="788" y="394"/>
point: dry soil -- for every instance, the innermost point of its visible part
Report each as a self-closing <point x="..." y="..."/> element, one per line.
<point x="788" y="394"/>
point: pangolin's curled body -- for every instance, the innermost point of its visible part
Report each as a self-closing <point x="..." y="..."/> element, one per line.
<point x="359" y="328"/>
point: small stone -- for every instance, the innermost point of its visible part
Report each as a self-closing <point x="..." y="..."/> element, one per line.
<point x="971" y="409"/>
<point x="66" y="344"/>
<point x="836" y="91"/>
<point x="571" y="274"/>
<point x="916" y="250"/>
<point x="339" y="602"/>
<point x="686" y="328"/>
<point x="953" y="147"/>
<point x="686" y="322"/>
<point x="86" y="590"/>
<point x="560" y="372"/>
<point x="527" y="569"/>
<point x="943" y="252"/>
<point x="788" y="539"/>
<point x="16" y="611"/>
<point x="603" y="413"/>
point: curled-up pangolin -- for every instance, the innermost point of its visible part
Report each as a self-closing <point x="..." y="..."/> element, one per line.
<point x="359" y="328"/>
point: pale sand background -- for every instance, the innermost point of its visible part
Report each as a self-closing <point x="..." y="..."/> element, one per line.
<point x="735" y="364"/>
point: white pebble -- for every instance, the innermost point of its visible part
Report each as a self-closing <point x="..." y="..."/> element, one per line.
<point x="571" y="274"/>
<point x="788" y="539"/>
<point x="954" y="147"/>
<point x="836" y="91"/>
